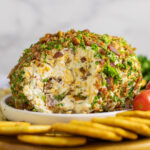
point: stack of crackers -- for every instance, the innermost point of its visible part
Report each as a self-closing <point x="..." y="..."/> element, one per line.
<point x="125" y="125"/>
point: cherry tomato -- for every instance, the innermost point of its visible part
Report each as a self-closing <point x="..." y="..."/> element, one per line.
<point x="148" y="85"/>
<point x="142" y="101"/>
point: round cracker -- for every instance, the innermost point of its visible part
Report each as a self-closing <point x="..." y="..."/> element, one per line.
<point x="86" y="131"/>
<point x="52" y="141"/>
<point x="139" y="128"/>
<point x="12" y="130"/>
<point x="37" y="129"/>
<point x="119" y="131"/>
<point x="135" y="113"/>
<point x="12" y="123"/>
<point x="24" y="128"/>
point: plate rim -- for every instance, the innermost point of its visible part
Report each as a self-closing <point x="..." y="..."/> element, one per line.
<point x="3" y="104"/>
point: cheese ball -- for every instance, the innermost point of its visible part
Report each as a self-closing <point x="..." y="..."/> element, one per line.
<point x="76" y="72"/>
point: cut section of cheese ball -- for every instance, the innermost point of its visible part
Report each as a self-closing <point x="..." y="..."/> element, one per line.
<point x="76" y="72"/>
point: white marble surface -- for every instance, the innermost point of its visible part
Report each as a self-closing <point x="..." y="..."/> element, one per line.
<point x="22" y="22"/>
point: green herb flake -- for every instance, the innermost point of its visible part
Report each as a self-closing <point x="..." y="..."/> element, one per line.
<point x="97" y="62"/>
<point x="72" y="46"/>
<point x="60" y="104"/>
<point x="44" y="98"/>
<point x="95" y="100"/>
<point x="112" y="56"/>
<point x="98" y="55"/>
<point x="60" y="96"/>
<point x="23" y="97"/>
<point x="62" y="40"/>
<point x="43" y="46"/>
<point x="45" y="58"/>
<point x="45" y="80"/>
<point x="58" y="46"/>
<point x="112" y="72"/>
<point x="34" y="109"/>
<point x="94" y="47"/>
<point x="26" y="50"/>
<point x="105" y="38"/>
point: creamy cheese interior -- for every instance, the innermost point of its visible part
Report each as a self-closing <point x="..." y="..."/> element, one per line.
<point x="63" y="84"/>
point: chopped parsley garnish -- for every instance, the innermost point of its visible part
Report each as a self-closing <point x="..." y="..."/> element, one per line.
<point x="72" y="46"/>
<point x="29" y="58"/>
<point x="81" y="96"/>
<point x="130" y="94"/>
<point x="62" y="40"/>
<point x="96" y="98"/>
<point x="45" y="80"/>
<point x="45" y="58"/>
<point x="23" y="97"/>
<point x="60" y="96"/>
<point x="43" y="46"/>
<point x="112" y="56"/>
<point x="60" y="104"/>
<point x="112" y="72"/>
<point x="98" y="55"/>
<point x="115" y="98"/>
<point x="97" y="62"/>
<point x="26" y="50"/>
<point x="43" y="98"/>
<point x="130" y="83"/>
<point x="105" y="38"/>
<point x="122" y="66"/>
<point x="103" y="77"/>
<point x="35" y="110"/>
<point x="82" y="45"/>
<point x="58" y="46"/>
<point x="94" y="47"/>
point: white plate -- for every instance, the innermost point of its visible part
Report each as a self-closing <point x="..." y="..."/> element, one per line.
<point x="45" y="118"/>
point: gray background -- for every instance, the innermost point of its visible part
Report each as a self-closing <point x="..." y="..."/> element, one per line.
<point x="22" y="22"/>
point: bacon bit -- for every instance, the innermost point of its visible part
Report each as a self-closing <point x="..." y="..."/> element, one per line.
<point x="98" y="44"/>
<point x="104" y="90"/>
<point x="109" y="81"/>
<point x="82" y="70"/>
<point x="44" y="40"/>
<point x="113" y="50"/>
<point x="123" y="61"/>
<point x="97" y="85"/>
<point x="102" y="43"/>
<point x="78" y="98"/>
<point x="127" y="53"/>
<point x="125" y="89"/>
<point x="102" y="61"/>
<point x="60" y="33"/>
<point x="112" y="64"/>
<point x="72" y="31"/>
<point x="50" y="102"/>
<point x="58" y="54"/>
<point x="68" y="61"/>
<point x="83" y="59"/>
<point x="118" y="104"/>
<point x="88" y="43"/>
<point x="131" y="52"/>
<point x="86" y="30"/>
<point x="127" y="106"/>
<point x="99" y="76"/>
<point x="65" y="44"/>
<point x="102" y="51"/>
<point x="75" y="41"/>
<point x="59" y="79"/>
<point x="137" y="82"/>
<point x="48" y="35"/>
